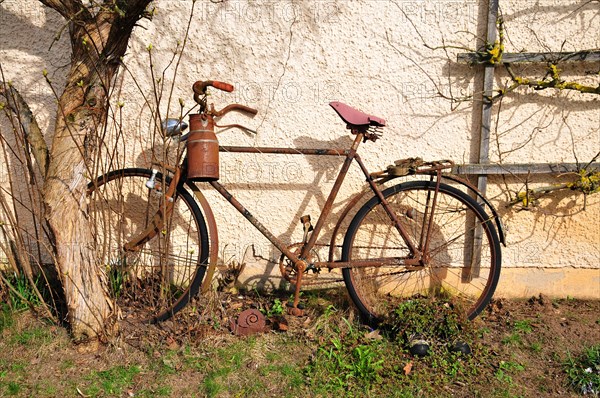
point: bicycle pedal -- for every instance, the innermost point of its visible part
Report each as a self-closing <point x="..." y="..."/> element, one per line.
<point x="305" y="220"/>
<point x="295" y="311"/>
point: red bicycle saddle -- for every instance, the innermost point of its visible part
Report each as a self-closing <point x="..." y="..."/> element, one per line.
<point x="355" y="117"/>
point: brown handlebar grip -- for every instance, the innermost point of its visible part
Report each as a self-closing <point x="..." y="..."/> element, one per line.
<point x="200" y="86"/>
<point x="222" y="86"/>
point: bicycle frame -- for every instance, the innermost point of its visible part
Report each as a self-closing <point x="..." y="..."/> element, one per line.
<point x="350" y="155"/>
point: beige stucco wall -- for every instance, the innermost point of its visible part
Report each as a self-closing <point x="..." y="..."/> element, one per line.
<point x="290" y="58"/>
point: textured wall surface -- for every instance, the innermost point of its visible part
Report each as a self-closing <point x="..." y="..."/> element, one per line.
<point x="395" y="59"/>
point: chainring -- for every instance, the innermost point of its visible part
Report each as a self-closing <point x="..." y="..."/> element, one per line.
<point x="289" y="271"/>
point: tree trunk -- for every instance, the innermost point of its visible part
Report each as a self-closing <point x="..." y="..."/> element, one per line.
<point x="65" y="198"/>
<point x="98" y="44"/>
<point x="81" y="113"/>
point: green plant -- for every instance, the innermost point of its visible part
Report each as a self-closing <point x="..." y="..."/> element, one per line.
<point x="163" y="391"/>
<point x="6" y="318"/>
<point x="506" y="369"/>
<point x="168" y="363"/>
<point x="228" y="361"/>
<point x="523" y="326"/>
<point x="116" y="279"/>
<point x="412" y="317"/>
<point x="450" y="364"/>
<point x="326" y="370"/>
<point x="40" y="335"/>
<point x="536" y="346"/>
<point x="13" y="388"/>
<point x="520" y="328"/>
<point x="513" y="339"/>
<point x="483" y="331"/>
<point x="346" y="361"/>
<point x="583" y="372"/>
<point x="436" y="320"/>
<point x="212" y="387"/>
<point x="276" y="309"/>
<point x="366" y="365"/>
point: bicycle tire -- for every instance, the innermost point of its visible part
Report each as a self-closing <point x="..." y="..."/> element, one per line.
<point x="452" y="272"/>
<point x="159" y="277"/>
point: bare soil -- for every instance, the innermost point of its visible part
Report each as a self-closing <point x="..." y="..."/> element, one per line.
<point x="559" y="328"/>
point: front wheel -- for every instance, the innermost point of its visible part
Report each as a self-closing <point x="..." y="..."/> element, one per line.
<point x="156" y="276"/>
<point x="461" y="263"/>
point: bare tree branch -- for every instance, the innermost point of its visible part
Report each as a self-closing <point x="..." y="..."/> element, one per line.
<point x="33" y="134"/>
<point x="67" y="8"/>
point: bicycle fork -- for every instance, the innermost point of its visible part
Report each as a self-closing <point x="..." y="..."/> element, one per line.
<point x="155" y="225"/>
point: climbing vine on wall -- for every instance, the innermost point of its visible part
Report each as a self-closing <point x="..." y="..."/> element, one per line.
<point x="493" y="55"/>
<point x="585" y="181"/>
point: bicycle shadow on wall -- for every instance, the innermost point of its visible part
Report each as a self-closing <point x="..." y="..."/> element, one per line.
<point x="391" y="265"/>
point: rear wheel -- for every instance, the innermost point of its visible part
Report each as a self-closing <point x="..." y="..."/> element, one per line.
<point x="462" y="263"/>
<point x="156" y="278"/>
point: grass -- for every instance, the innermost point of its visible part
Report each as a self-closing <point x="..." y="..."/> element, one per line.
<point x="347" y="361"/>
<point x="506" y="369"/>
<point x="36" y="335"/>
<point x="275" y="309"/>
<point x="112" y="381"/>
<point x="355" y="360"/>
<point x="232" y="359"/>
<point x="6" y="317"/>
<point x="520" y="329"/>
<point x="523" y="326"/>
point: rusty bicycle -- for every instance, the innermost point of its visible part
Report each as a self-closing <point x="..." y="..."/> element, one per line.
<point x="433" y="235"/>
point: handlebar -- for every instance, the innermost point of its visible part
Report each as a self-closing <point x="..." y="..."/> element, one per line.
<point x="200" y="96"/>
<point x="200" y="89"/>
